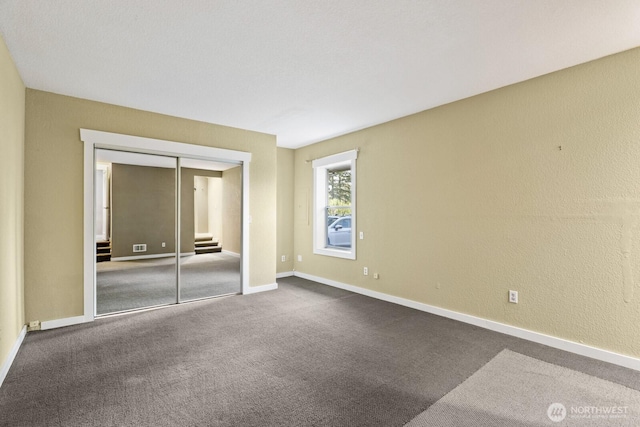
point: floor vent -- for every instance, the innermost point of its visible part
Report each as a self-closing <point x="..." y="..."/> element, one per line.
<point x="142" y="247"/>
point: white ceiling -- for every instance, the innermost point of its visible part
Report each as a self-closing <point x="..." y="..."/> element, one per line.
<point x="300" y="69"/>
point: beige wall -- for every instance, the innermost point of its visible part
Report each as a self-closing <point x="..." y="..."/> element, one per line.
<point x="187" y="200"/>
<point x="232" y="210"/>
<point x="143" y="210"/>
<point x="201" y="204"/>
<point x="461" y="203"/>
<point x="54" y="191"/>
<point x="285" y="210"/>
<point x="214" y="217"/>
<point x="12" y="116"/>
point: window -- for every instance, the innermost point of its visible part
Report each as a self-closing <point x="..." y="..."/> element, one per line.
<point x="334" y="214"/>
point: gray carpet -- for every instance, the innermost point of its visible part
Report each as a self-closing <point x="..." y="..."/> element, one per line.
<point x="126" y="285"/>
<point x="303" y="355"/>
<point x="514" y="390"/>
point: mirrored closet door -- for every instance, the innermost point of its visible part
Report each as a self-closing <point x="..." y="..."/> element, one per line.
<point x="137" y="225"/>
<point x="135" y="231"/>
<point x="211" y="212"/>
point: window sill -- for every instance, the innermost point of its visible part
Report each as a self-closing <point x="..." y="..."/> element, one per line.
<point x="336" y="253"/>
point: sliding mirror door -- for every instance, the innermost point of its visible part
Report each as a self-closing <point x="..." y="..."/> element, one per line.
<point x="210" y="234"/>
<point x="135" y="202"/>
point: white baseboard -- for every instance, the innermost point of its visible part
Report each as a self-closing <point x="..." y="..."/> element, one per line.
<point x="231" y="253"/>
<point x="548" y="340"/>
<point x="261" y="288"/>
<point x="284" y="274"/>
<point x="137" y="257"/>
<point x="60" y="323"/>
<point x="4" y="369"/>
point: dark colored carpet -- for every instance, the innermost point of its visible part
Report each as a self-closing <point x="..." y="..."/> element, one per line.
<point x="126" y="285"/>
<point x="304" y="355"/>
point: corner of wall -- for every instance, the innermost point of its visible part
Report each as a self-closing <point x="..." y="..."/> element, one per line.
<point x="284" y="194"/>
<point x="12" y="131"/>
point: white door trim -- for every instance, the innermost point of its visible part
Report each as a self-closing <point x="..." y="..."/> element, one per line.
<point x="97" y="139"/>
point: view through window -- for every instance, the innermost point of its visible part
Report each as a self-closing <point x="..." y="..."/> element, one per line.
<point x="334" y="215"/>
<point x="339" y="209"/>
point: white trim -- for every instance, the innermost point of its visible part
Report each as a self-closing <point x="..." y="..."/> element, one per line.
<point x="61" y="323"/>
<point x="548" y="340"/>
<point x="344" y="157"/>
<point x="160" y="146"/>
<point x="177" y="226"/>
<point x="6" y="365"/>
<point x="136" y="257"/>
<point x="235" y="254"/>
<point x="284" y="274"/>
<point x="320" y="202"/>
<point x="246" y="227"/>
<point x="261" y="288"/>
<point x="89" y="246"/>
<point x="97" y="139"/>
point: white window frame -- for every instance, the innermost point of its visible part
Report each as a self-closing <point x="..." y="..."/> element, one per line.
<point x="320" y="202"/>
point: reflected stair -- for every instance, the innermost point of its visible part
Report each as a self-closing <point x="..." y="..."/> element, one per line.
<point x="206" y="244"/>
<point x="103" y="251"/>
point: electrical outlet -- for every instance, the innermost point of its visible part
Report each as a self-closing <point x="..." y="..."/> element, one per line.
<point x="513" y="297"/>
<point x="376" y="276"/>
<point x="34" y="325"/>
<point x="283" y="258"/>
<point x="164" y="244"/>
<point x="366" y="271"/>
<point x="299" y="258"/>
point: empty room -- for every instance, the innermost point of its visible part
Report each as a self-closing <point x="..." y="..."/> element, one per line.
<point x="337" y="213"/>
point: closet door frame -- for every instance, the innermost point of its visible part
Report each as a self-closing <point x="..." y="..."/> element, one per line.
<point x="94" y="139"/>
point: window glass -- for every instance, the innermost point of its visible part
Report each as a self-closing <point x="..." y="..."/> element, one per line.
<point x="334" y="205"/>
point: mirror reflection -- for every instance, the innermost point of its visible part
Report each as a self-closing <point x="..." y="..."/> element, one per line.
<point x="136" y="229"/>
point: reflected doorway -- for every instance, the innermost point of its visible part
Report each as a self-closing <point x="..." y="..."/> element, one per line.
<point x="211" y="213"/>
<point x="146" y="216"/>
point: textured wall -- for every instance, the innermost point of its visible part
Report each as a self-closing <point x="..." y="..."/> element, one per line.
<point x="54" y="191"/>
<point x="232" y="210"/>
<point x="143" y="210"/>
<point x="12" y="116"/>
<point x="285" y="210"/>
<point x="533" y="187"/>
